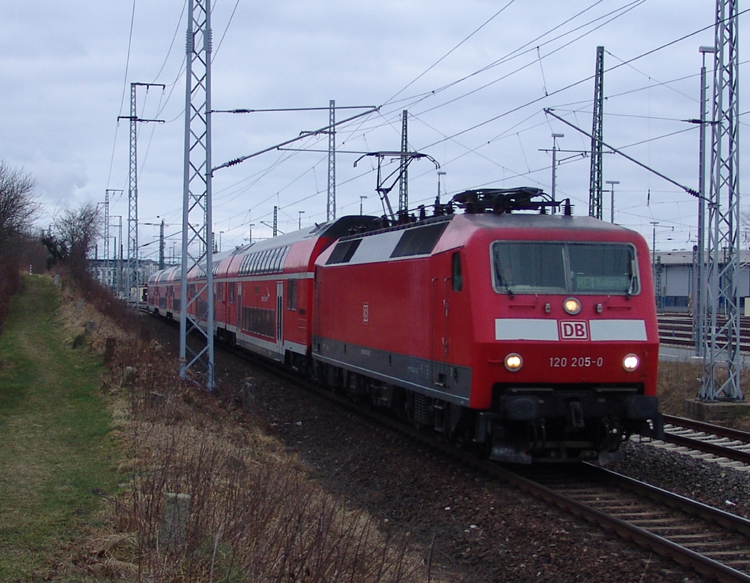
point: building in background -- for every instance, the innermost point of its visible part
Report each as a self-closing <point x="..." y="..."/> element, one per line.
<point x="674" y="280"/>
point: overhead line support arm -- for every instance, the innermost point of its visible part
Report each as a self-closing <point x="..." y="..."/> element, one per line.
<point x="690" y="191"/>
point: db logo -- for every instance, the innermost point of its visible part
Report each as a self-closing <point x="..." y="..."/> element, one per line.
<point x="574" y="330"/>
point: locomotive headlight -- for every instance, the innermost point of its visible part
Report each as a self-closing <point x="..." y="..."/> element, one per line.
<point x="572" y="306"/>
<point x="630" y="362"/>
<point x="513" y="362"/>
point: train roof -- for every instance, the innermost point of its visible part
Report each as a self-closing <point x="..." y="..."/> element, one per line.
<point x="332" y="229"/>
<point x="290" y="251"/>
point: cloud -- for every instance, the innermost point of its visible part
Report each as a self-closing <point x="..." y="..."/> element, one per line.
<point x="471" y="108"/>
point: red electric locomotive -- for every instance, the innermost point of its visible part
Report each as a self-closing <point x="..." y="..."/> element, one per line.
<point x="533" y="334"/>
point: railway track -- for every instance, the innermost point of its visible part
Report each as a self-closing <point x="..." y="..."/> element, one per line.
<point x="712" y="542"/>
<point x="677" y="330"/>
<point x="708" y="540"/>
<point x="722" y="442"/>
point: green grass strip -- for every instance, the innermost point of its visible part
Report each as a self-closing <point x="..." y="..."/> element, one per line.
<point x="54" y="458"/>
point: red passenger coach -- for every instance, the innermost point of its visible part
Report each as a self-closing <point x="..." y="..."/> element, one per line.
<point x="164" y="292"/>
<point x="263" y="292"/>
<point x="533" y="334"/>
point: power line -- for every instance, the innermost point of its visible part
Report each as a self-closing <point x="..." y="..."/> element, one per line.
<point x="446" y="55"/>
<point x="124" y="91"/>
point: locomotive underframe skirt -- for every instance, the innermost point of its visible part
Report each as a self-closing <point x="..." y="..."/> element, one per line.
<point x="529" y="403"/>
<point x="440" y="380"/>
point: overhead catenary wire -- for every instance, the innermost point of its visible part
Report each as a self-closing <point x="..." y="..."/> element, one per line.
<point x="452" y="136"/>
<point x="526" y="49"/>
<point x="124" y="91"/>
<point x="630" y="6"/>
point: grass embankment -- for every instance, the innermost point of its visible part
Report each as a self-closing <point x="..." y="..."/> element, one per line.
<point x="55" y="462"/>
<point x="253" y="512"/>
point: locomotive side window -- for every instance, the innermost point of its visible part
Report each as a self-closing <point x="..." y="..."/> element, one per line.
<point x="552" y="267"/>
<point x="344" y="251"/>
<point x="420" y="241"/>
<point x="457" y="282"/>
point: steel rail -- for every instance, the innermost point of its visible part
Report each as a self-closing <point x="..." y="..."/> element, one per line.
<point x="661" y="545"/>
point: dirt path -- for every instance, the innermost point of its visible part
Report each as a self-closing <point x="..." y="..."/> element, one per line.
<point x="54" y="461"/>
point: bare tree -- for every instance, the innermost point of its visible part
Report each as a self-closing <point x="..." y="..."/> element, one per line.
<point x="76" y="232"/>
<point x="18" y="208"/>
<point x="18" y="204"/>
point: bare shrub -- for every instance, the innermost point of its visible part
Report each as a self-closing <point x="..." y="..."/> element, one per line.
<point x="252" y="518"/>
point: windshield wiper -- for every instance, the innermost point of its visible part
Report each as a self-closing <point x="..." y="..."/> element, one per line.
<point x="504" y="283"/>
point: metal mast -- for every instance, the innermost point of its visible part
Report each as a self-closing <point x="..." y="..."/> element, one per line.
<point x="700" y="306"/>
<point x="118" y="256"/>
<point x="595" y="185"/>
<point x="196" y="211"/>
<point x="162" y="264"/>
<point x="723" y="336"/>
<point x="106" y="231"/>
<point x="403" y="180"/>
<point x="331" y="201"/>
<point x="132" y="267"/>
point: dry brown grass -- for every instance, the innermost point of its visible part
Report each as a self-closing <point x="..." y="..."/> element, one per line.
<point x="255" y="513"/>
<point x="680" y="382"/>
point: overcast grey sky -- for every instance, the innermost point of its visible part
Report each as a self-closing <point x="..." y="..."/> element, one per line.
<point x="474" y="76"/>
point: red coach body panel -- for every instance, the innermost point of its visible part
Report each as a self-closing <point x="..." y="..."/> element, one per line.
<point x="263" y="297"/>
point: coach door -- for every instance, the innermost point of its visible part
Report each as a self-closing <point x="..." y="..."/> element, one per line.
<point x="238" y="301"/>
<point x="279" y="315"/>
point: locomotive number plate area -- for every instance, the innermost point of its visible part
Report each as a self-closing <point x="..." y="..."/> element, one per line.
<point x="576" y="362"/>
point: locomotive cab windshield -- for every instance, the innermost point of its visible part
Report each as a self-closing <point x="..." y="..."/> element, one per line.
<point x="564" y="267"/>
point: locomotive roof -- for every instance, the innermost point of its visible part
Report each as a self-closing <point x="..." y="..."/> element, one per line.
<point x="443" y="233"/>
<point x="538" y="222"/>
<point x="542" y="222"/>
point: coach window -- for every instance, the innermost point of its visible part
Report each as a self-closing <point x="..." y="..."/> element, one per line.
<point x="272" y="260"/>
<point x="291" y="296"/>
<point x="257" y="262"/>
<point x="456" y="277"/>
<point x="252" y="264"/>
<point x="266" y="267"/>
<point x="230" y="287"/>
